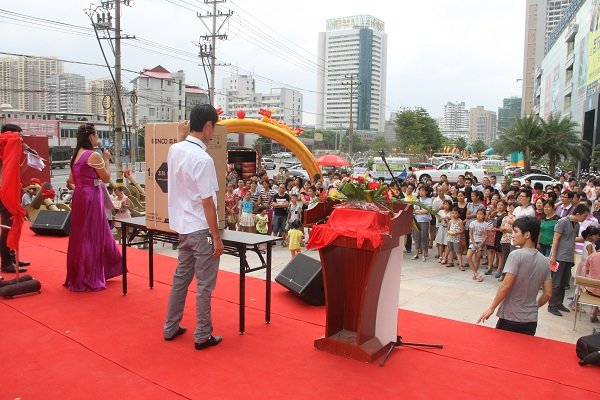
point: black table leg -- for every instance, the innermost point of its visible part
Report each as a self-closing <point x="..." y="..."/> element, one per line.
<point x="268" y="283"/>
<point x="151" y="260"/>
<point x="242" y="252"/>
<point x="124" y="255"/>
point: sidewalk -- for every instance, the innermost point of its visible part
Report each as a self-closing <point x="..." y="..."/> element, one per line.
<point x="430" y="288"/>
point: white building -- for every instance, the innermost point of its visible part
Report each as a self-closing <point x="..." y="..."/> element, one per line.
<point x="239" y="94"/>
<point x="352" y="57"/>
<point x="194" y="96"/>
<point x="541" y="17"/>
<point x="454" y="123"/>
<point x="160" y="95"/>
<point x="23" y="81"/>
<point x="482" y="125"/>
<point x="66" y="93"/>
<point x="568" y="78"/>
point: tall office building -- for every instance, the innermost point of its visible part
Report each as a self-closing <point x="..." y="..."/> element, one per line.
<point x="510" y="110"/>
<point x="66" y="93"/>
<point x="482" y="125"/>
<point x="23" y="81"/>
<point x="352" y="57"/>
<point x="455" y="122"/>
<point x="99" y="99"/>
<point x="541" y="17"/>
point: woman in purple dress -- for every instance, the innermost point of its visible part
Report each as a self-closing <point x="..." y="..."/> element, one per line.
<point x="92" y="255"/>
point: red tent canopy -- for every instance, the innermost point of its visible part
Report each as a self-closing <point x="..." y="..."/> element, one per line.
<point x="332" y="160"/>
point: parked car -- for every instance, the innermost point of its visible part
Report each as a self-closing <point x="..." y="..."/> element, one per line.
<point x="299" y="172"/>
<point x="282" y="155"/>
<point x="422" y="165"/>
<point x="542" y="178"/>
<point x="289" y="163"/>
<point x="452" y="170"/>
<point x="267" y="163"/>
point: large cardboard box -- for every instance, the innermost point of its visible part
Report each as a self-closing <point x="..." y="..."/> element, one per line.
<point x="159" y="137"/>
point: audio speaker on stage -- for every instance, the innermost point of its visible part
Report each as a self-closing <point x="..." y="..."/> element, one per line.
<point x="52" y="223"/>
<point x="303" y="277"/>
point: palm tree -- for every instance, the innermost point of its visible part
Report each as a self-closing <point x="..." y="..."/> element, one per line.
<point x="525" y="135"/>
<point x="562" y="139"/>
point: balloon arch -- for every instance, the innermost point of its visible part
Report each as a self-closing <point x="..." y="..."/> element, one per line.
<point x="280" y="135"/>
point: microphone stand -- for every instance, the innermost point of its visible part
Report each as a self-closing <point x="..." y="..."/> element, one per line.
<point x="394" y="179"/>
<point x="399" y="342"/>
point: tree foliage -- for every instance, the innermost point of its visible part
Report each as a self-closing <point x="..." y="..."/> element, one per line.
<point x="416" y="131"/>
<point x="479" y="146"/>
<point x="460" y="144"/>
<point x="562" y="140"/>
<point x="525" y="135"/>
<point x="595" y="162"/>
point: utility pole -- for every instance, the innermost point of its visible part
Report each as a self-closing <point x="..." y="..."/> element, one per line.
<point x="353" y="84"/>
<point x="208" y="51"/>
<point x="102" y="23"/>
<point x="118" y="113"/>
<point x="133" y="133"/>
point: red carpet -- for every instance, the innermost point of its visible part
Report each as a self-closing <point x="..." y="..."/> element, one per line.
<point x="107" y="346"/>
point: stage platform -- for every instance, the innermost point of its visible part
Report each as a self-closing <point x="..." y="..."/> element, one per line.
<point x="103" y="345"/>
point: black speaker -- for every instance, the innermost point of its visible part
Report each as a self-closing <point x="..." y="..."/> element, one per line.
<point x="52" y="223"/>
<point x="304" y="278"/>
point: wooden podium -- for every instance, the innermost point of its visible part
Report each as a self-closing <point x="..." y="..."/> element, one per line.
<point x="362" y="284"/>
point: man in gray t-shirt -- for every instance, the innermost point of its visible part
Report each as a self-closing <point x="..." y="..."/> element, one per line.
<point x="563" y="251"/>
<point x="526" y="270"/>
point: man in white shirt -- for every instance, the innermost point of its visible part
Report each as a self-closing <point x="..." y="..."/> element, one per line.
<point x="525" y="209"/>
<point x="193" y="186"/>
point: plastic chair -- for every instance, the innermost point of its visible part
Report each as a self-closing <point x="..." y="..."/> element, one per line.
<point x="582" y="297"/>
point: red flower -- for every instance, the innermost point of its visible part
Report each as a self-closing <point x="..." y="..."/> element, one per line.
<point x="373" y="185"/>
<point x="48" y="194"/>
<point x="360" y="179"/>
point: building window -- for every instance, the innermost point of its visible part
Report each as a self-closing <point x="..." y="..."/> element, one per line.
<point x="152" y="111"/>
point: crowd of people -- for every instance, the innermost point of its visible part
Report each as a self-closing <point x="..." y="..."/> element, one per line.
<point x="468" y="224"/>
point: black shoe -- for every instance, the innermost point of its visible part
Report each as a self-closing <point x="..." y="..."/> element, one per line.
<point x="212" y="341"/>
<point x="563" y="308"/>
<point x="180" y="331"/>
<point x="23" y="263"/>
<point x="554" y="311"/>
<point x="11" y="269"/>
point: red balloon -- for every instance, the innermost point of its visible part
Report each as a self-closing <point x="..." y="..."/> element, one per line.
<point x="241" y="114"/>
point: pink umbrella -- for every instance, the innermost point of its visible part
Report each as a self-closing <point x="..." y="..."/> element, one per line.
<point x="332" y="160"/>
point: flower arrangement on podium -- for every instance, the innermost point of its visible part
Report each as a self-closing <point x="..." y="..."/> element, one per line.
<point x="364" y="192"/>
<point x="364" y="209"/>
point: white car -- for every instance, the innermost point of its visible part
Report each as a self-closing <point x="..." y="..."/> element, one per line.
<point x="267" y="163"/>
<point x="541" y="178"/>
<point x="452" y="170"/>
<point x="282" y="155"/>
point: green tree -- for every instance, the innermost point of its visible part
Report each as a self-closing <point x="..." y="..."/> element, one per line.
<point x="379" y="143"/>
<point x="416" y="131"/>
<point x="562" y="140"/>
<point x="595" y="162"/>
<point x="479" y="146"/>
<point x="525" y="135"/>
<point x="460" y="144"/>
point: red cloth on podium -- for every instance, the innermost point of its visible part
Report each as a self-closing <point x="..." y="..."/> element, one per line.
<point x="351" y="222"/>
<point x="11" y="148"/>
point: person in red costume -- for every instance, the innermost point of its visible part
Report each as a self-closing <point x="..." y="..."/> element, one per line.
<point x="12" y="165"/>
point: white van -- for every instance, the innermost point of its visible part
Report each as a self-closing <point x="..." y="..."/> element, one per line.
<point x="398" y="166"/>
<point x="493" y="167"/>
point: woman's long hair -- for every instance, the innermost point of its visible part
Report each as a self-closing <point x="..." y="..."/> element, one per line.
<point x="83" y="139"/>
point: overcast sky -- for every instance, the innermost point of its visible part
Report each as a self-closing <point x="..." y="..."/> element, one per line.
<point x="438" y="50"/>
